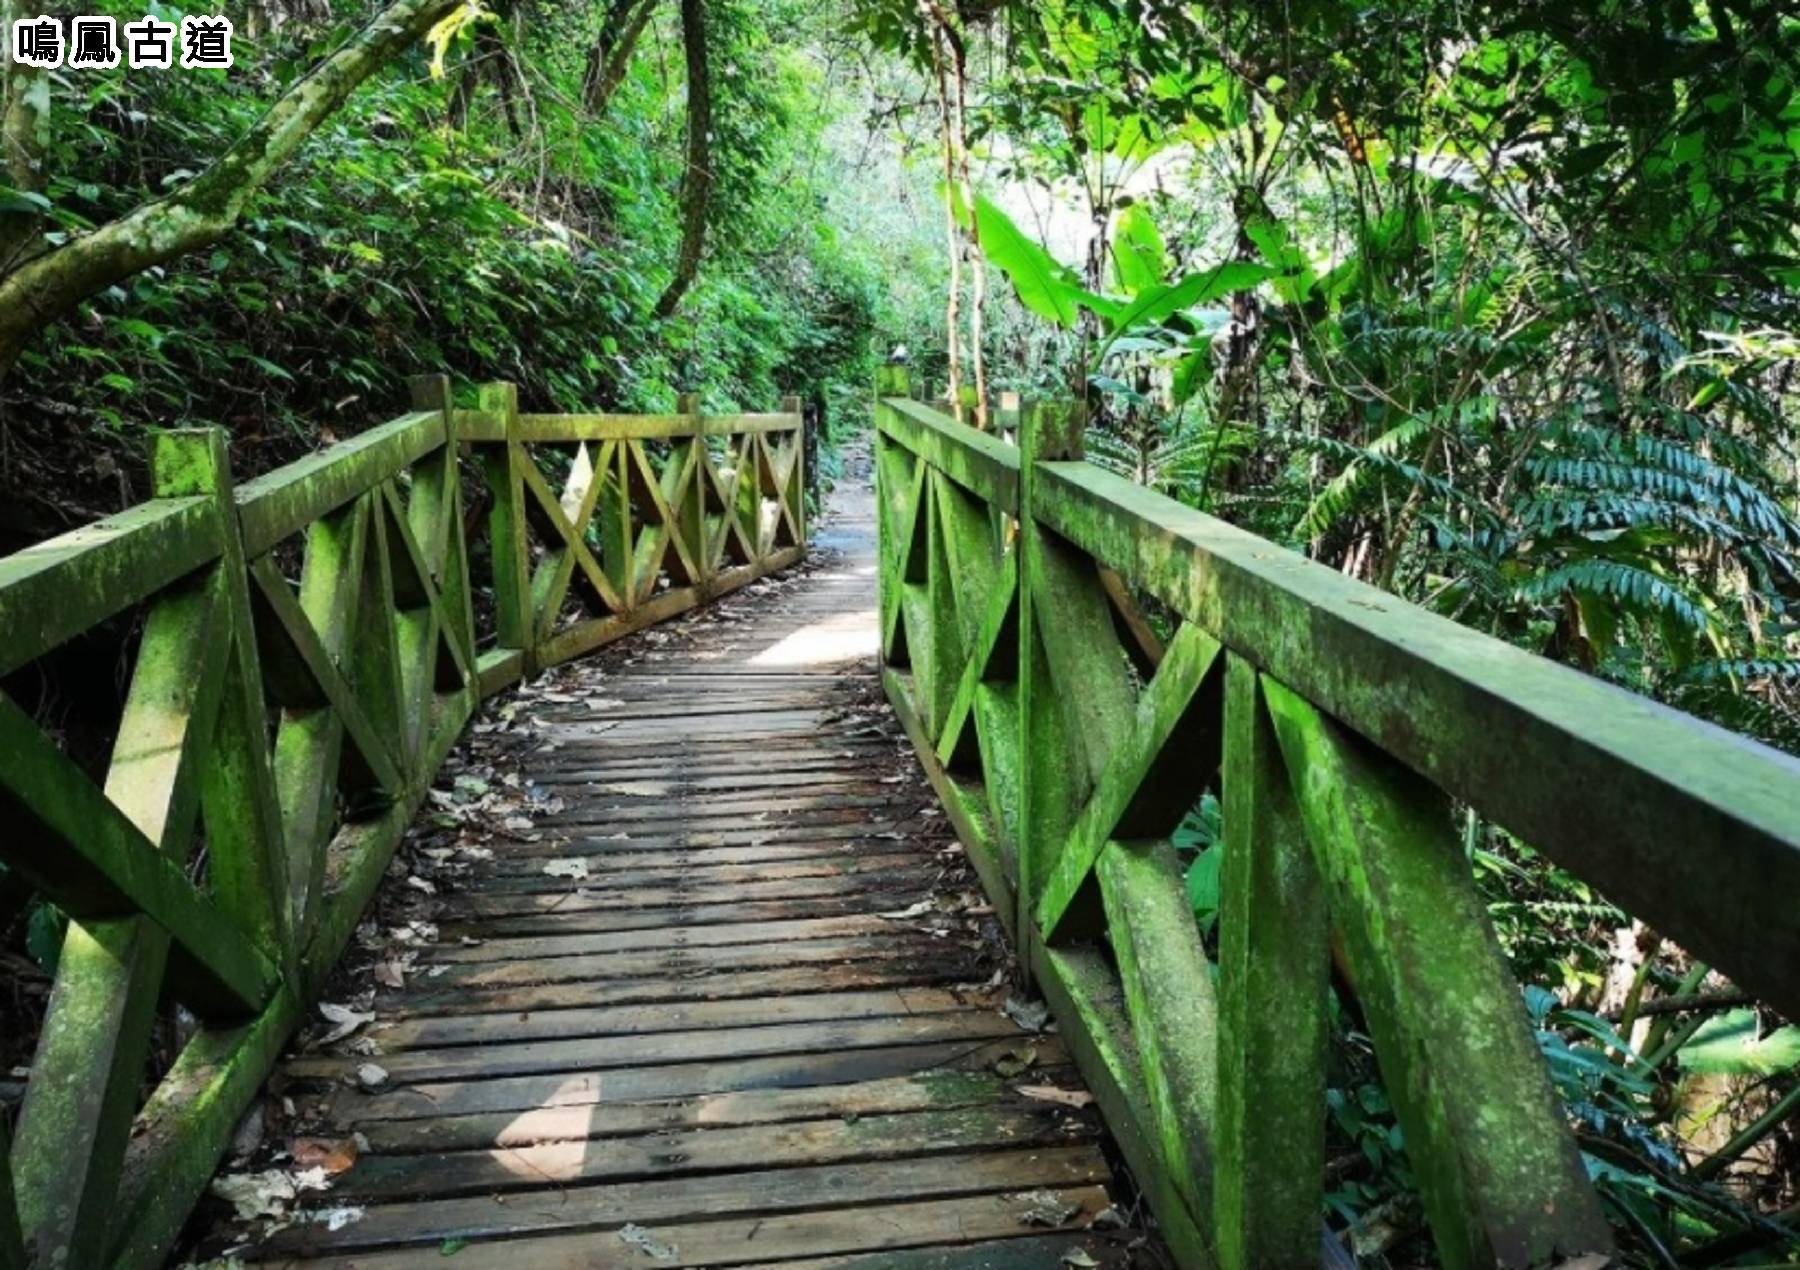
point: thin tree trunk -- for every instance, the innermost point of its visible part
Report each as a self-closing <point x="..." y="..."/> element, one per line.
<point x="611" y="57"/>
<point x="952" y="236"/>
<point x="977" y="263"/>
<point x="697" y="180"/>
<point x="24" y="137"/>
<point x="48" y="286"/>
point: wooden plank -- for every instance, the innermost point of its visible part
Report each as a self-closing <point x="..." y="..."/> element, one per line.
<point x="945" y="968"/>
<point x="675" y="961"/>
<point x="577" y="900"/>
<point x="671" y="841"/>
<point x="725" y="933"/>
<point x="529" y="1025"/>
<point x="603" y="1207"/>
<point x="644" y="855"/>
<point x="922" y="1091"/>
<point x="627" y="809"/>
<point x="612" y="878"/>
<point x="518" y="1058"/>
<point x="1029" y="1253"/>
<point x="839" y="1139"/>
<point x="750" y="1239"/>
<point x="521" y="925"/>
<point x="682" y="1080"/>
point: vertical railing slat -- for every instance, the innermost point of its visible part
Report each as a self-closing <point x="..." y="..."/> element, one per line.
<point x="511" y="579"/>
<point x="1274" y="958"/>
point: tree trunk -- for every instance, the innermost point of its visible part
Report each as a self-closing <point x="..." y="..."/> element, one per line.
<point x="697" y="180"/>
<point x="24" y="136"/>
<point x="47" y="286"/>
<point x="611" y="55"/>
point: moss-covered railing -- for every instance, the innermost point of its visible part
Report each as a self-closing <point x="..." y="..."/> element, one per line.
<point x="1339" y="726"/>
<point x="307" y="651"/>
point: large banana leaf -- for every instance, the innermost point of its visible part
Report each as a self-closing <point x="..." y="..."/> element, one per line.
<point x="1045" y="285"/>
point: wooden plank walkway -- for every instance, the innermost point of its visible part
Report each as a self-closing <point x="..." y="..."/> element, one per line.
<point x="685" y="970"/>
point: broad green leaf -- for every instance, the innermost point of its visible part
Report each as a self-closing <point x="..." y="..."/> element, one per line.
<point x="1729" y="1044"/>
<point x="1203" y="886"/>
<point x="28" y="201"/>
<point x="1139" y="259"/>
<point x="1045" y="285"/>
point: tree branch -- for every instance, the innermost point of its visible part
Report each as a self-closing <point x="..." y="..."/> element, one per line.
<point x="611" y="57"/>
<point x="48" y="286"/>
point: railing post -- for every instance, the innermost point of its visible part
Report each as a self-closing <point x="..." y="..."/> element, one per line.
<point x="1274" y="990"/>
<point x="432" y="392"/>
<point x="246" y="847"/>
<point x="890" y="381"/>
<point x="692" y="514"/>
<point x="506" y="527"/>
<point x="1047" y="431"/>
<point x="795" y="490"/>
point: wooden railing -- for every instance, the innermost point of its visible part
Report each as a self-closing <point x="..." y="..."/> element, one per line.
<point x="309" y="652"/>
<point x="1339" y="726"/>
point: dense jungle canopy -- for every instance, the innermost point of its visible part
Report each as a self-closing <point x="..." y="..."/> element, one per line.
<point x="1494" y="305"/>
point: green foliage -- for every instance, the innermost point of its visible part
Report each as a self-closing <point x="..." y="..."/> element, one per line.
<point x="1199" y="838"/>
<point x="1734" y="1044"/>
<point x="480" y="224"/>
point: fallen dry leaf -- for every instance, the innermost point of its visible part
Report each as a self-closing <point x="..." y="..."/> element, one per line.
<point x="334" y="1155"/>
<point x="343" y="1021"/>
<point x="390" y="974"/>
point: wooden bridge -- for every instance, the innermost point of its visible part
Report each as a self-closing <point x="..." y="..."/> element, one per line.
<point x="679" y="960"/>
